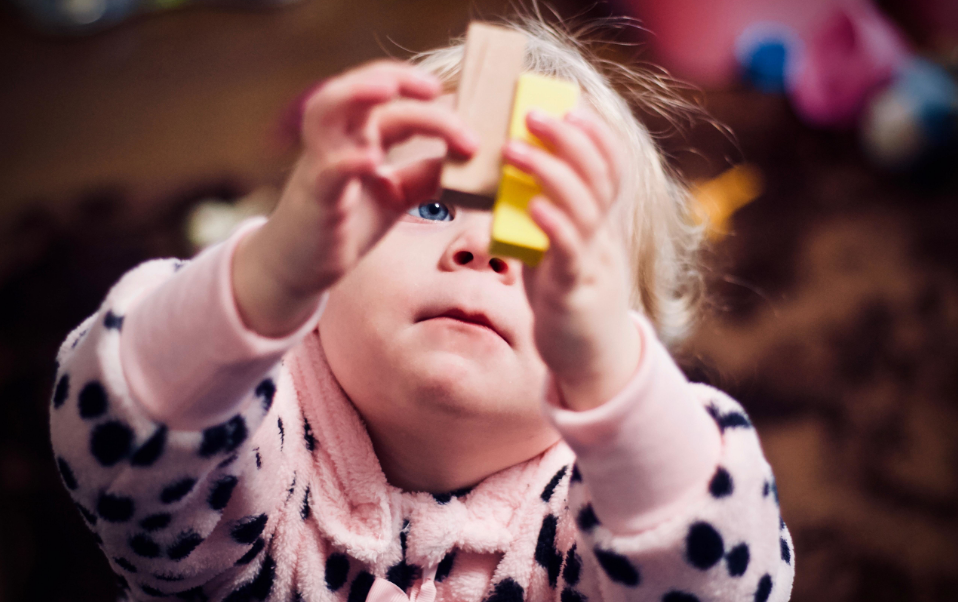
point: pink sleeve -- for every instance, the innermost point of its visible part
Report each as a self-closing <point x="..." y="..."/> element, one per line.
<point x="646" y="452"/>
<point x="186" y="353"/>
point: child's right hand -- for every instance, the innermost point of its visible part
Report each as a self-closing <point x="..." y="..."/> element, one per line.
<point x="342" y="197"/>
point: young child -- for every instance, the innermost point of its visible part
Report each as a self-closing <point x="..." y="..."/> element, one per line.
<point x="353" y="400"/>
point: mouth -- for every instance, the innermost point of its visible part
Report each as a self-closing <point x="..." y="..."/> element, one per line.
<point x="468" y="317"/>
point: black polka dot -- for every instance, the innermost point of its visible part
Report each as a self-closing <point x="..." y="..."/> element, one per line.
<point x="62" y="391"/>
<point x="247" y="529"/>
<point x="403" y="574"/>
<point x="675" y="596"/>
<point x="337" y="570"/>
<point x="252" y="553"/>
<point x="176" y="491"/>
<point x="618" y="567"/>
<point x="259" y="460"/>
<point x="114" y="508"/>
<point x="221" y="492"/>
<point x="587" y="519"/>
<point x="143" y="545"/>
<point x="263" y="584"/>
<point x="308" y="436"/>
<point x="570" y="595"/>
<point x="764" y="588"/>
<point x="573" y="567"/>
<point x="110" y="442"/>
<point x="92" y="400"/>
<point x="786" y="552"/>
<point x="125" y="564"/>
<point x="122" y="583"/>
<point x="291" y="489"/>
<point x="721" y="483"/>
<point x="66" y="473"/>
<point x="546" y="553"/>
<point x="155" y="522"/>
<point x="149" y="452"/>
<point x="733" y="419"/>
<point x="444" y="498"/>
<point x="359" y="590"/>
<point x="576" y="475"/>
<point x="737" y="560"/>
<point x="282" y="432"/>
<point x="703" y="546"/>
<point x="112" y="321"/>
<point x="152" y="591"/>
<point x="228" y="461"/>
<point x="265" y="391"/>
<point x="193" y="595"/>
<point x="506" y="590"/>
<point x="304" y="509"/>
<point x="179" y="264"/>
<point x="224" y="437"/>
<point x="88" y="516"/>
<point x="445" y="566"/>
<point x="553" y="483"/>
<point x="169" y="577"/>
<point x="185" y="543"/>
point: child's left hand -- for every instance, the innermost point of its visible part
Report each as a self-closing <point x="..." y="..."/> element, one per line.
<point x="579" y="292"/>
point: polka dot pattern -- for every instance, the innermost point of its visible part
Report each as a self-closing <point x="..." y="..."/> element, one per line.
<point x="185" y="543"/>
<point x="721" y="484"/>
<point x="337" y="569"/>
<point x="247" y="529"/>
<point x="114" y="508"/>
<point x="553" y="483"/>
<point x="679" y="597"/>
<point x="144" y="545"/>
<point x="308" y="436"/>
<point x="359" y="590"/>
<point x="62" y="391"/>
<point x="764" y="589"/>
<point x="573" y="567"/>
<point x="252" y="553"/>
<point x="225" y="437"/>
<point x="737" y="560"/>
<point x="177" y="490"/>
<point x="266" y="391"/>
<point x="221" y="492"/>
<point x="587" y="520"/>
<point x="506" y="590"/>
<point x="112" y="321"/>
<point x="150" y="452"/>
<point x="546" y="553"/>
<point x="445" y="566"/>
<point x="110" y="442"/>
<point x="92" y="400"/>
<point x="156" y="522"/>
<point x="619" y="568"/>
<point x="703" y="546"/>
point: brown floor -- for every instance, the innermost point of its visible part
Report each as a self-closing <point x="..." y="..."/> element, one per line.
<point x="834" y="306"/>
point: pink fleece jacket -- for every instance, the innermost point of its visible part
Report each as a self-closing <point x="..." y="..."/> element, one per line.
<point x="215" y="464"/>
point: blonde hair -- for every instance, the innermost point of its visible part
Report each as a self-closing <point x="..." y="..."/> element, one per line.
<point x="653" y="206"/>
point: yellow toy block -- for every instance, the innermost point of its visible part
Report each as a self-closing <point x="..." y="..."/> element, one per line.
<point x="514" y="234"/>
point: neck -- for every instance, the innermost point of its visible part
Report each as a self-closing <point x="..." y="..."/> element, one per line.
<point x="439" y="456"/>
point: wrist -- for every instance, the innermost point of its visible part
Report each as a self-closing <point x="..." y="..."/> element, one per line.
<point x="267" y="304"/>
<point x="606" y="375"/>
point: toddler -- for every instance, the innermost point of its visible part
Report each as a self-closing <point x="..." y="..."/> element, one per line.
<point x="353" y="400"/>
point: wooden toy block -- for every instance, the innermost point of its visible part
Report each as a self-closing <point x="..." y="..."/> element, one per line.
<point x="514" y="234"/>
<point x="490" y="68"/>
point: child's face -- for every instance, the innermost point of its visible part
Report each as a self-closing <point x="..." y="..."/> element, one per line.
<point x="429" y="326"/>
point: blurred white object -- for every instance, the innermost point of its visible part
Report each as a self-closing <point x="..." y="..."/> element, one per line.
<point x="213" y="220"/>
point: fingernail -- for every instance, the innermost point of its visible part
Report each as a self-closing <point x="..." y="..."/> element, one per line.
<point x="539" y="116"/>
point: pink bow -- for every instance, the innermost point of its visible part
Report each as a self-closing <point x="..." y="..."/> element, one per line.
<point x="384" y="590"/>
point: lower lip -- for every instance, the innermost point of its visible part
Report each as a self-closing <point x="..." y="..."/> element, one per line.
<point x="462" y="324"/>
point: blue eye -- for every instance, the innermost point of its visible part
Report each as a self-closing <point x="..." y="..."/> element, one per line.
<point x="432" y="211"/>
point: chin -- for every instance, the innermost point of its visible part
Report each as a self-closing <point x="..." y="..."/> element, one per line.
<point x="467" y="387"/>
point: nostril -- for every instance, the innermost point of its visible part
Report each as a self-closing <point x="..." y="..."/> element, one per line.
<point x="498" y="266"/>
<point x="462" y="257"/>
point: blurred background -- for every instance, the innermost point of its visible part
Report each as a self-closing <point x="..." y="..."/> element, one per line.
<point x="132" y="129"/>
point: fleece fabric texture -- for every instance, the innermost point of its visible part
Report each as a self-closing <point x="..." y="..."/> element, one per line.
<point x="284" y="498"/>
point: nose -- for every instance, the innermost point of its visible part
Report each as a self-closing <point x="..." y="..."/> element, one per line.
<point x="469" y="248"/>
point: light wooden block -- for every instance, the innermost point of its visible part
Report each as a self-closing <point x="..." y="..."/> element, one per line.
<point x="490" y="69"/>
<point x="514" y="234"/>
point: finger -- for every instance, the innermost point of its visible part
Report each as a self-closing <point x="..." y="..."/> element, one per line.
<point x="559" y="182"/>
<point x="400" y="120"/>
<point x="605" y="140"/>
<point x="339" y="170"/>
<point x="578" y="149"/>
<point x="565" y="245"/>
<point x="350" y="96"/>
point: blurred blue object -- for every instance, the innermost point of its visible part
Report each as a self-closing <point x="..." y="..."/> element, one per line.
<point x="767" y="54"/>
<point x="87" y="16"/>
<point x="914" y="118"/>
